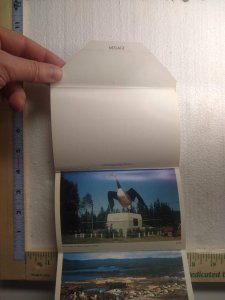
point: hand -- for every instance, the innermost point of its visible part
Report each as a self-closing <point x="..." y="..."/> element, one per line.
<point x="21" y="59"/>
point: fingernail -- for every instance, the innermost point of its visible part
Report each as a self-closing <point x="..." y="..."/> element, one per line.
<point x="56" y="73"/>
<point x="17" y="102"/>
<point x="61" y="62"/>
<point x="21" y="105"/>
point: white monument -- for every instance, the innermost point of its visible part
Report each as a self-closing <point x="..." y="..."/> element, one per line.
<point x="124" y="221"/>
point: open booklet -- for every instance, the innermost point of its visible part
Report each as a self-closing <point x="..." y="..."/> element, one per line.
<point x="118" y="200"/>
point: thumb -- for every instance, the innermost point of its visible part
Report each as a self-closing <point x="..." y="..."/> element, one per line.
<point x="13" y="68"/>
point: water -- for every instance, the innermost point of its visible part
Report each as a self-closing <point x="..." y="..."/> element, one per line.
<point x="78" y="277"/>
<point x="81" y="274"/>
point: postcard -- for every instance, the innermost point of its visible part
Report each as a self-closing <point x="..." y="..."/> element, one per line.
<point x="123" y="275"/>
<point x="134" y="209"/>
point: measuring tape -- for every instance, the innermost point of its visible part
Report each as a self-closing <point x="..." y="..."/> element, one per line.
<point x="18" y="168"/>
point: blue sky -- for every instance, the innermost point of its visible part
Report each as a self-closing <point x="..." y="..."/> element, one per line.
<point x="122" y="255"/>
<point x="150" y="184"/>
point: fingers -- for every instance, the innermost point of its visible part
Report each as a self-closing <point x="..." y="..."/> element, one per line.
<point x="20" y="45"/>
<point x="14" y="68"/>
<point x="16" y="96"/>
<point x="21" y="59"/>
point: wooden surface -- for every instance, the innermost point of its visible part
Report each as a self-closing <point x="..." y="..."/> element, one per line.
<point x="6" y="13"/>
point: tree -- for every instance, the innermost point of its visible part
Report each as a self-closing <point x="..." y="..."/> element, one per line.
<point x="69" y="206"/>
<point x="85" y="204"/>
<point x="163" y="213"/>
<point x="102" y="218"/>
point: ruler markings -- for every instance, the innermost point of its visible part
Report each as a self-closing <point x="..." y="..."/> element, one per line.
<point x="41" y="265"/>
<point x="207" y="266"/>
<point x="18" y="167"/>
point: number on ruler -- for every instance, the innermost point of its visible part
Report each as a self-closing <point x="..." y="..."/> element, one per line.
<point x="18" y="184"/>
<point x="17" y="4"/>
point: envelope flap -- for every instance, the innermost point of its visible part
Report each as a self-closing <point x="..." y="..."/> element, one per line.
<point x="115" y="64"/>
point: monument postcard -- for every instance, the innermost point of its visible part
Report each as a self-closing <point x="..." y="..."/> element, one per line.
<point x="137" y="209"/>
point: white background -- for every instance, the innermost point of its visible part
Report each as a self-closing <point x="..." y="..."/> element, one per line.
<point x="189" y="39"/>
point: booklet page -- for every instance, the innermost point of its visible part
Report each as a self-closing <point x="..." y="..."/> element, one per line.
<point x="100" y="128"/>
<point x="118" y="198"/>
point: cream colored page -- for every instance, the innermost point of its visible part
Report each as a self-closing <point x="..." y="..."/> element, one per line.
<point x="187" y="275"/>
<point x="59" y="276"/>
<point x="105" y="128"/>
<point x="115" y="64"/>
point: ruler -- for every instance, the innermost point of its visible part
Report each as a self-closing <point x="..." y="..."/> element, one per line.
<point x="18" y="168"/>
<point x="207" y="266"/>
<point x="41" y="266"/>
<point x="11" y="266"/>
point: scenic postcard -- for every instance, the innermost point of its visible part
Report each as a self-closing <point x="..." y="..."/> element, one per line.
<point x="136" y="275"/>
<point x="110" y="226"/>
<point x="119" y="206"/>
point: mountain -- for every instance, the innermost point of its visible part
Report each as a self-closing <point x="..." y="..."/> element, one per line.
<point x="142" y="267"/>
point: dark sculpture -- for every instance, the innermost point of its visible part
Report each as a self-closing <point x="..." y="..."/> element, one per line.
<point x="125" y="198"/>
